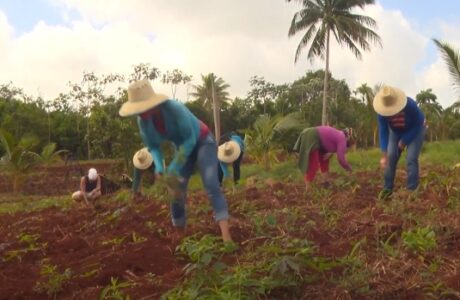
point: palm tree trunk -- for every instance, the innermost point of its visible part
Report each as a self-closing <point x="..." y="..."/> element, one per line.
<point x="215" y="112"/>
<point x="326" y="73"/>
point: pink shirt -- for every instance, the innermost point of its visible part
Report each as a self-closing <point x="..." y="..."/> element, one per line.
<point x="334" y="141"/>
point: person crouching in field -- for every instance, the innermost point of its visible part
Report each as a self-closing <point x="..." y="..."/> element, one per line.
<point x="161" y="119"/>
<point x="230" y="151"/>
<point x="143" y="162"/>
<point x="316" y="145"/>
<point x="90" y="188"/>
<point x="401" y="126"/>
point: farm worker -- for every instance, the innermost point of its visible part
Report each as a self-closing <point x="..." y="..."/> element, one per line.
<point x="230" y="151"/>
<point x="142" y="161"/>
<point x="161" y="119"/>
<point x="90" y="187"/>
<point x="401" y="125"/>
<point x="316" y="145"/>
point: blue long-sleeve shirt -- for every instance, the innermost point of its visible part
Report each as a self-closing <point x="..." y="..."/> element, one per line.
<point x="406" y="124"/>
<point x="181" y="127"/>
<point x="240" y="142"/>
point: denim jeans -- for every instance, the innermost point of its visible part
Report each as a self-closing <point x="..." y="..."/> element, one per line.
<point x="394" y="153"/>
<point x="205" y="156"/>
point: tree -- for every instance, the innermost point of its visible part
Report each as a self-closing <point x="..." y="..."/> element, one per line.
<point x="452" y="58"/>
<point x="144" y="71"/>
<point x="18" y="160"/>
<point x="260" y="138"/>
<point x="90" y="90"/>
<point x="320" y="18"/>
<point x="432" y="110"/>
<point x="212" y="93"/>
<point x="367" y="95"/>
<point x="175" y="77"/>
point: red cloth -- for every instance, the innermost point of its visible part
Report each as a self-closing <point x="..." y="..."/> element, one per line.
<point x="204" y="130"/>
<point x="316" y="161"/>
<point x="159" y="122"/>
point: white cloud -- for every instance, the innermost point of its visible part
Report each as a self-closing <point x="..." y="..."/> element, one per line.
<point x="234" y="39"/>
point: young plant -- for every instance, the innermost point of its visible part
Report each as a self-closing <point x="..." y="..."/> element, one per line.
<point x="53" y="280"/>
<point x="113" y="291"/>
<point x="420" y="240"/>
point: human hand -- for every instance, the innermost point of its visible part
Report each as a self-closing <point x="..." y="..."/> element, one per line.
<point x="401" y="145"/>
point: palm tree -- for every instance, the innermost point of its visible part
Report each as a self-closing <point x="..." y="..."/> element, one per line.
<point x="260" y="138"/>
<point x="367" y="97"/>
<point x="432" y="110"/>
<point x="452" y="58"/>
<point x="18" y="161"/>
<point x="320" y="18"/>
<point x="212" y="93"/>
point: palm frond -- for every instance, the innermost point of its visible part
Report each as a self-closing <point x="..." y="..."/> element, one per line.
<point x="452" y="58"/>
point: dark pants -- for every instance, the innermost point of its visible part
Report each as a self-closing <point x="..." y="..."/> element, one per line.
<point x="236" y="169"/>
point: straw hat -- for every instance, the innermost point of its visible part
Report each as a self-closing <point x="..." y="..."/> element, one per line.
<point x="141" y="97"/>
<point x="92" y="174"/>
<point x="228" y="152"/>
<point x="142" y="159"/>
<point x="389" y="101"/>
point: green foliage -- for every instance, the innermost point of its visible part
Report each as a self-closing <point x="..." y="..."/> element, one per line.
<point x="113" y="291"/>
<point x="419" y="240"/>
<point x="52" y="281"/>
<point x="49" y="154"/>
<point x="260" y="139"/>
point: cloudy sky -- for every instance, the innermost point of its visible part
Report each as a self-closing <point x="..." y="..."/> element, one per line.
<point x="46" y="43"/>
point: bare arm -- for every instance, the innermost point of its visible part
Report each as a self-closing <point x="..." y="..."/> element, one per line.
<point x="83" y="189"/>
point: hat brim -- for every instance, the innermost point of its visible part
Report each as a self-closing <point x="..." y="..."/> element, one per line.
<point x="142" y="165"/>
<point x="228" y="158"/>
<point x="135" y="108"/>
<point x="388" y="111"/>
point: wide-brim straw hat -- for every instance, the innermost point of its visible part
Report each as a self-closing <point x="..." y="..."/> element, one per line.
<point x="142" y="159"/>
<point x="228" y="152"/>
<point x="389" y="101"/>
<point x="141" y="98"/>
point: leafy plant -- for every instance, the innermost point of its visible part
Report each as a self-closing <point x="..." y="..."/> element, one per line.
<point x="137" y="239"/>
<point x="113" y="292"/>
<point x="420" y="240"/>
<point x="53" y="280"/>
<point x="49" y="154"/>
<point x="18" y="160"/>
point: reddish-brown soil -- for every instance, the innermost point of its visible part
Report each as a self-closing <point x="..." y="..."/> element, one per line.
<point x="333" y="219"/>
<point x="58" y="180"/>
<point x="79" y="239"/>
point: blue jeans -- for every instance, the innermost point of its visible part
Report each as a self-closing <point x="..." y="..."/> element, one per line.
<point x="394" y="153"/>
<point x="205" y="155"/>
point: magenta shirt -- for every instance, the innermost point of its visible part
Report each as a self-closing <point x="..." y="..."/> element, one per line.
<point x="334" y="141"/>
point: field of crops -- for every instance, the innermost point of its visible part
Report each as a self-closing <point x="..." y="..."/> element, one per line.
<point x="336" y="242"/>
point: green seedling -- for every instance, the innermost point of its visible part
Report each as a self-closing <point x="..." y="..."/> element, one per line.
<point x="114" y="241"/>
<point x="420" y="240"/>
<point x="113" y="291"/>
<point x="137" y="239"/>
<point x="53" y="280"/>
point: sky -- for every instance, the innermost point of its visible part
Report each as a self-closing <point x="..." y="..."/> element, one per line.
<point x="44" y="44"/>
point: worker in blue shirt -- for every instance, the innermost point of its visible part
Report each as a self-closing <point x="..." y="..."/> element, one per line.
<point x="401" y="126"/>
<point x="231" y="150"/>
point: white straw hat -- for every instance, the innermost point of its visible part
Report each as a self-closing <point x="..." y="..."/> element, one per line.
<point x="389" y="101"/>
<point x="142" y="159"/>
<point x="228" y="152"/>
<point x="141" y="97"/>
<point x="92" y="174"/>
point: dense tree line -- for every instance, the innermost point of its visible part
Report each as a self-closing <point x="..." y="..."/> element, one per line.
<point x="85" y="119"/>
